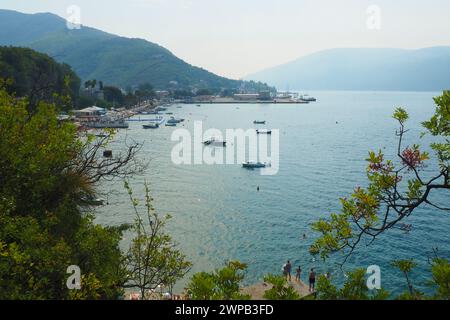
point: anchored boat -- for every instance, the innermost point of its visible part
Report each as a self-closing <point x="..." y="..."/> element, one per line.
<point x="254" y="165"/>
<point x="175" y="121"/>
<point x="215" y="143"/>
<point x="151" y="126"/>
<point x="307" y="98"/>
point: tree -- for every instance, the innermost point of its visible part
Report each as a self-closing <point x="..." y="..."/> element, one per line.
<point x="204" y="92"/>
<point x="394" y="191"/>
<point x="113" y="95"/>
<point x="354" y="288"/>
<point x="145" y="92"/>
<point x="440" y="270"/>
<point x="153" y="260"/>
<point x="38" y="77"/>
<point x="280" y="290"/>
<point x="222" y="284"/>
<point x="48" y="171"/>
<point x="406" y="266"/>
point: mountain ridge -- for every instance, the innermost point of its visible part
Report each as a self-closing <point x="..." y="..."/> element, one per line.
<point x="364" y="69"/>
<point x="97" y="54"/>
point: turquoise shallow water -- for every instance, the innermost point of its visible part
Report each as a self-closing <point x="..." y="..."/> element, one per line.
<point x="218" y="214"/>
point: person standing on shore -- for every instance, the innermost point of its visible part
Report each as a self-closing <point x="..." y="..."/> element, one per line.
<point x="288" y="269"/>
<point x="298" y="273"/>
<point x="312" y="280"/>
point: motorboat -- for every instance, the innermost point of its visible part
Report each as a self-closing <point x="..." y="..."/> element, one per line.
<point x="215" y="143"/>
<point x="151" y="126"/>
<point x="171" y="124"/>
<point x="264" y="131"/>
<point x="92" y="201"/>
<point x="307" y="98"/>
<point x="173" y="120"/>
<point x="254" y="165"/>
<point x="259" y="122"/>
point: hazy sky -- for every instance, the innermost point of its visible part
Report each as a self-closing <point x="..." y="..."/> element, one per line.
<point x="237" y="37"/>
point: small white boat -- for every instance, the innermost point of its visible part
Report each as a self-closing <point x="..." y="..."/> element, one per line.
<point x="173" y="120"/>
<point x="264" y="131"/>
<point x="254" y="165"/>
<point x="307" y="98"/>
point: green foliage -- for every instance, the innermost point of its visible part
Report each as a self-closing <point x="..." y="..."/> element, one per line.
<point x="393" y="191"/>
<point x="44" y="226"/>
<point x="204" y="92"/>
<point x="354" y="288"/>
<point x="280" y="289"/>
<point x="114" y="95"/>
<point x="118" y="61"/>
<point x="325" y="290"/>
<point x="222" y="284"/>
<point x="401" y="115"/>
<point x="404" y="265"/>
<point x="153" y="259"/>
<point x="440" y="271"/>
<point x="439" y="125"/>
<point x="38" y="76"/>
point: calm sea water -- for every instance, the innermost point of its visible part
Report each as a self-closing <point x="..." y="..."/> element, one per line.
<point x="218" y="214"/>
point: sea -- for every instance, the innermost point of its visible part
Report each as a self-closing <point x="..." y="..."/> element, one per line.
<point x="218" y="214"/>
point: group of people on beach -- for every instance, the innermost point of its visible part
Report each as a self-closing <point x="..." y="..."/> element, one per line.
<point x="287" y="268"/>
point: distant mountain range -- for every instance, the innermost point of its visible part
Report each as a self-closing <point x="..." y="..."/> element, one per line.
<point x="95" y="54"/>
<point x="364" y="69"/>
